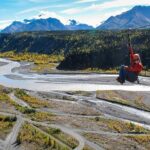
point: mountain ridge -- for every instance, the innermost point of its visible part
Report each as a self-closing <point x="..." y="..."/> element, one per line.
<point x="133" y="18"/>
<point x="49" y="24"/>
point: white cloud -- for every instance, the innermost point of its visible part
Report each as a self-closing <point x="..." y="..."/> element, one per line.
<point x="85" y="1"/>
<point x="98" y="19"/>
<point x="39" y="1"/>
<point x="47" y="14"/>
<point x="5" y="23"/>
<point x="106" y="5"/>
<point x="105" y="16"/>
<point x="35" y="9"/>
<point x="72" y="11"/>
<point x="118" y="3"/>
<point x="94" y="20"/>
<point x="29" y="10"/>
<point x="41" y="14"/>
<point x="102" y="10"/>
<point x="35" y="1"/>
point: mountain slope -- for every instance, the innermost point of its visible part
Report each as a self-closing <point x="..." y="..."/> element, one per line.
<point x="50" y="24"/>
<point x="75" y="26"/>
<point x="137" y="16"/>
<point x="35" y="25"/>
<point x="82" y="49"/>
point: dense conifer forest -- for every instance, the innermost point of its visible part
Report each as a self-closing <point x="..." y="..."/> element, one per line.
<point x="81" y="49"/>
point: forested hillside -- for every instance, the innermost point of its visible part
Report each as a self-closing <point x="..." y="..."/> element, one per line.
<point x="82" y="49"/>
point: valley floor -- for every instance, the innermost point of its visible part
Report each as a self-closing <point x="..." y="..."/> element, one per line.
<point x="72" y="111"/>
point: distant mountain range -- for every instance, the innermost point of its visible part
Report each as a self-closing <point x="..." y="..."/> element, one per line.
<point x="35" y="25"/>
<point x="75" y="26"/>
<point x="134" y="18"/>
<point x="137" y="16"/>
<point x="49" y="24"/>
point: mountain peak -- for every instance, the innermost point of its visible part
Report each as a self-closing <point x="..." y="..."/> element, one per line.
<point x="72" y="22"/>
<point x="16" y="22"/>
<point x="139" y="7"/>
<point x="40" y="24"/>
<point x="35" y="25"/>
<point x="74" y="25"/>
<point x="134" y="18"/>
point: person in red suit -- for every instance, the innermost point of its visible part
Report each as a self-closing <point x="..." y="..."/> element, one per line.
<point x="130" y="73"/>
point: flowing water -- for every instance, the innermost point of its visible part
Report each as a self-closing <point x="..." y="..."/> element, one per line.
<point x="63" y="82"/>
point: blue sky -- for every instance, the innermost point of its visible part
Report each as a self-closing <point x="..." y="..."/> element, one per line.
<point x="92" y="12"/>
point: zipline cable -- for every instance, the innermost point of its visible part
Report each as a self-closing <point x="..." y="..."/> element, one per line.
<point x="129" y="32"/>
<point x="129" y="38"/>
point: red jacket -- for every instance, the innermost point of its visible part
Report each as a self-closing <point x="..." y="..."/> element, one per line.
<point x="134" y="67"/>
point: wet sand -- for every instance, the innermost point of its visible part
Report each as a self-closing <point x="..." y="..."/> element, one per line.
<point x="76" y="111"/>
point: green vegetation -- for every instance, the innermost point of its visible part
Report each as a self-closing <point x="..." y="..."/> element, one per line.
<point x="41" y="116"/>
<point x="106" y="71"/>
<point x="86" y="147"/>
<point x="145" y="72"/>
<point x="32" y="101"/>
<point x="25" y="110"/>
<point x="143" y="140"/>
<point x="5" y="89"/>
<point x="29" y="135"/>
<point x="7" y="118"/>
<point x="63" y="137"/>
<point x="82" y="49"/>
<point x="117" y="142"/>
<point x="5" y="98"/>
<point x="6" y="123"/>
<point x="40" y="68"/>
<point x="80" y="93"/>
<point x="119" y="97"/>
<point x="120" y="126"/>
<point x="42" y="62"/>
<point x="104" y="49"/>
<point x="39" y="59"/>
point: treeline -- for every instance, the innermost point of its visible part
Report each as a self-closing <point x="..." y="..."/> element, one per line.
<point x="82" y="49"/>
<point x="33" y="57"/>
